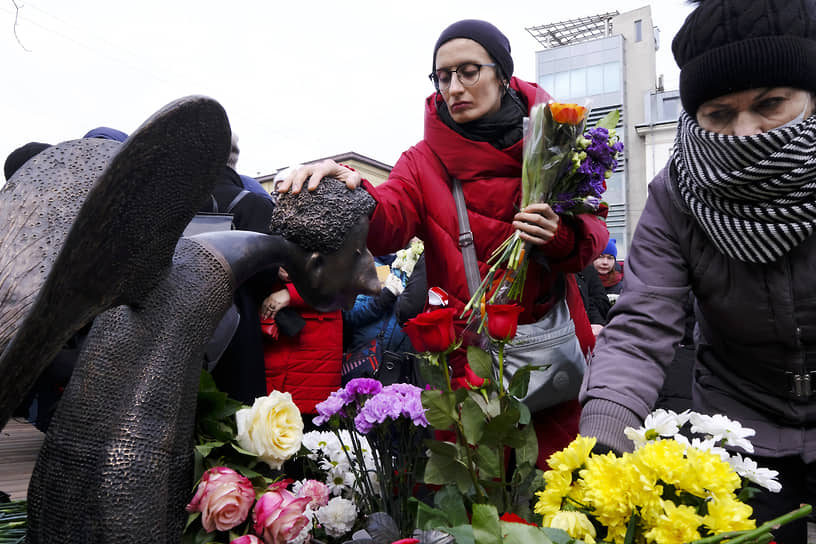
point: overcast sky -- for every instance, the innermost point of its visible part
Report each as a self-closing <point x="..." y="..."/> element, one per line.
<point x="299" y="79"/>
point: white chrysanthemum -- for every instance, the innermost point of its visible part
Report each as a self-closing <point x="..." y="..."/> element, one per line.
<point x="315" y="442"/>
<point x="339" y="481"/>
<point x="708" y="444"/>
<point x="337" y="517"/>
<point x="659" y="423"/>
<point x="720" y="428"/>
<point x="748" y="469"/>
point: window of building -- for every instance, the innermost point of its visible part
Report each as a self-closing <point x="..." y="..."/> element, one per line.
<point x="611" y="77"/>
<point x="561" y="89"/>
<point x="638" y="30"/>
<point x="578" y="85"/>
<point x="595" y="80"/>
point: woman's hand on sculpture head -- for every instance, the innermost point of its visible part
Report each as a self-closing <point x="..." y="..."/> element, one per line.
<point x="311" y="174"/>
<point x="274" y="303"/>
<point x="537" y="223"/>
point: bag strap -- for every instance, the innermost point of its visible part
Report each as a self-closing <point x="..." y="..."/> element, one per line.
<point x="214" y="203"/>
<point x="235" y="200"/>
<point x="466" y="239"/>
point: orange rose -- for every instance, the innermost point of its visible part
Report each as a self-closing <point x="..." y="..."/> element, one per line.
<point x="570" y="114"/>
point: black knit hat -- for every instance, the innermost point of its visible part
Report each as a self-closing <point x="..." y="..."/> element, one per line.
<point x="728" y="46"/>
<point x="20" y="156"/>
<point x="486" y="35"/>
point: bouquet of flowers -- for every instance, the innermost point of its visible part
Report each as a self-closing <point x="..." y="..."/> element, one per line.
<point x="377" y="448"/>
<point x="565" y="166"/>
<point x="669" y="490"/>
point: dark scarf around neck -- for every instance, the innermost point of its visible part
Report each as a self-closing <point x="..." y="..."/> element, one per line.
<point x="754" y="196"/>
<point x="501" y="129"/>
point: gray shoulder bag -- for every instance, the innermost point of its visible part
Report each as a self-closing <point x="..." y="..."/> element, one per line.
<point x="550" y="342"/>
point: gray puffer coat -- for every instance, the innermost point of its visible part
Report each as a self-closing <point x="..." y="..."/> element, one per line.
<point x="756" y="361"/>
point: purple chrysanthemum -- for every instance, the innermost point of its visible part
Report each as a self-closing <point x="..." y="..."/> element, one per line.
<point x="377" y="409"/>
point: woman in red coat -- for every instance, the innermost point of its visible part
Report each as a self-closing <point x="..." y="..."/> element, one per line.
<point x="473" y="132"/>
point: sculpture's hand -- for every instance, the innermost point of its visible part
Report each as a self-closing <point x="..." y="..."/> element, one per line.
<point x="313" y="173"/>
<point x="274" y="302"/>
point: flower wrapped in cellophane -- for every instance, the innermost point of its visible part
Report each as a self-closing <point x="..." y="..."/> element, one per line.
<point x="564" y="165"/>
<point x="669" y="490"/>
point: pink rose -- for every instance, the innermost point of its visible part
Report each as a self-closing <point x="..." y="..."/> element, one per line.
<point x="279" y="514"/>
<point x="247" y="539"/>
<point x="224" y="498"/>
<point x="318" y="493"/>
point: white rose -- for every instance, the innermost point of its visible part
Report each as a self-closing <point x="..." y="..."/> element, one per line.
<point x="272" y="429"/>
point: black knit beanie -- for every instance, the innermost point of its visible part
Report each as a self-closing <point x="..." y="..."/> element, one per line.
<point x="486" y="35"/>
<point x="20" y="156"/>
<point x="728" y="46"/>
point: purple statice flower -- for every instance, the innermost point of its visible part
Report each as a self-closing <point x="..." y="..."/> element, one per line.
<point x="334" y="404"/>
<point x="385" y="405"/>
<point x="362" y="386"/>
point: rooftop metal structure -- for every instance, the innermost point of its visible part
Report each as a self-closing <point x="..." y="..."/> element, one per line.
<point x="573" y="30"/>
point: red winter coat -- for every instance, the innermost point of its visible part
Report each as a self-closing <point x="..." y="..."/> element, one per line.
<point x="417" y="201"/>
<point x="306" y="365"/>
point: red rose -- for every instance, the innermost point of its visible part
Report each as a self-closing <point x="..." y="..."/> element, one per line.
<point x="473" y="380"/>
<point x="514" y="518"/>
<point x="432" y="331"/>
<point x="502" y="321"/>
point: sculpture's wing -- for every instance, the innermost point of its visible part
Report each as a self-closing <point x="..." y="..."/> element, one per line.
<point x="119" y="245"/>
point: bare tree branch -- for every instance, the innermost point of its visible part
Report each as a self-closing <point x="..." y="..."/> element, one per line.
<point x="16" y="17"/>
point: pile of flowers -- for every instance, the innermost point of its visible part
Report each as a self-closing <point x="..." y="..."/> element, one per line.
<point x="669" y="490"/>
<point x="565" y="166"/>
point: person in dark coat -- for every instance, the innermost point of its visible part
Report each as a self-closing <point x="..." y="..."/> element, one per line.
<point x="731" y="218"/>
<point x="594" y="296"/>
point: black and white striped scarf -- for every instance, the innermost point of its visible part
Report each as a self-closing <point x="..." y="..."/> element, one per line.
<point x="754" y="196"/>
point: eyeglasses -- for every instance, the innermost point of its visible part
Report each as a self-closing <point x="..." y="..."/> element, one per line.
<point x="468" y="74"/>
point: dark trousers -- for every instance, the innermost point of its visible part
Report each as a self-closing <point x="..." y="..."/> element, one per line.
<point x="798" y="481"/>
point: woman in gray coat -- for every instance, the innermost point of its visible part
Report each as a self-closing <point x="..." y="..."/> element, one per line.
<point x="731" y="218"/>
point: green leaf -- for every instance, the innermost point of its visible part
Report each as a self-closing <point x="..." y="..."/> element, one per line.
<point x="447" y="449"/>
<point x="558" y="536"/>
<point x="519" y="533"/>
<point x="486" y="527"/>
<point x="524" y="412"/>
<point x="527" y="452"/>
<point x="430" y="518"/>
<point x="489" y="460"/>
<point x="609" y="121"/>
<point x="473" y="421"/>
<point x="440" y="408"/>
<point x="500" y="429"/>
<point x="241" y="450"/>
<point x="480" y="362"/>
<point x="449" y="500"/>
<point x="442" y="470"/>
<point x="463" y="534"/>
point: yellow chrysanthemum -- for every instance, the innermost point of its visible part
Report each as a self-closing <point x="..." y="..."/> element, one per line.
<point x="615" y="488"/>
<point x="728" y="514"/>
<point x="678" y="525"/>
<point x="575" y="523"/>
<point x="557" y="486"/>
<point x="711" y="474"/>
<point x="663" y="460"/>
<point x="573" y="456"/>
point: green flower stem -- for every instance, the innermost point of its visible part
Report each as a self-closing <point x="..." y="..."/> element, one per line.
<point x="501" y="372"/>
<point x="740" y="537"/>
<point x="443" y="362"/>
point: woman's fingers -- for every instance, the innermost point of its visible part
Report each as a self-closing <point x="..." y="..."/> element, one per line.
<point x="311" y="174"/>
<point x="536" y="223"/>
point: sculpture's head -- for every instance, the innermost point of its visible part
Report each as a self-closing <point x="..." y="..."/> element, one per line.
<point x="329" y="226"/>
